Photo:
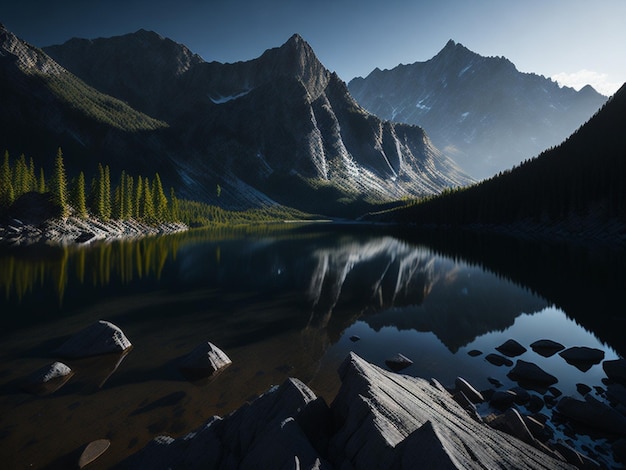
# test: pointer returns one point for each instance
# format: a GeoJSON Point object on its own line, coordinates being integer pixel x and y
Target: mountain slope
{"type": "Point", "coordinates": [44, 106]}
{"type": "Point", "coordinates": [480, 110]}
{"type": "Point", "coordinates": [277, 128]}
{"type": "Point", "coordinates": [577, 188]}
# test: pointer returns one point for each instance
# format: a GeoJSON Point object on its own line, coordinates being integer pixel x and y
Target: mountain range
{"type": "Point", "coordinates": [481, 111]}
{"type": "Point", "coordinates": [279, 129]}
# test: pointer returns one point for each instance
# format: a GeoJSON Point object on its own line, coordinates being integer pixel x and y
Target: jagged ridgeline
{"type": "Point", "coordinates": [277, 130]}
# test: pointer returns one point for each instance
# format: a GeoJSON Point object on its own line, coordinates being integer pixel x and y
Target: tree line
{"type": "Point", "coordinates": [139, 198]}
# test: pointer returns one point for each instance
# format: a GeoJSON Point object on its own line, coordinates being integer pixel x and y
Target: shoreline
{"type": "Point", "coordinates": [76, 231]}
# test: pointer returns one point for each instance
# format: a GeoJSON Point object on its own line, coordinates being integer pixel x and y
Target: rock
{"type": "Point", "coordinates": [518, 427]}
{"type": "Point", "coordinates": [593, 413]}
{"type": "Point", "coordinates": [537, 428]}
{"type": "Point", "coordinates": [277, 430]}
{"type": "Point", "coordinates": [574, 457]}
{"type": "Point", "coordinates": [615, 370]}
{"type": "Point", "coordinates": [502, 399]}
{"type": "Point", "coordinates": [556, 393]}
{"type": "Point", "coordinates": [48, 379]}
{"type": "Point", "coordinates": [495, 382]}
{"type": "Point", "coordinates": [470, 392]}
{"type": "Point", "coordinates": [93, 450]}
{"type": "Point", "coordinates": [530, 375]}
{"type": "Point", "coordinates": [535, 404]}
{"type": "Point", "coordinates": [204, 361]}
{"type": "Point", "coordinates": [619, 450]}
{"type": "Point", "coordinates": [102, 337]}
{"type": "Point", "coordinates": [582, 358]}
{"type": "Point", "coordinates": [498, 360]}
{"type": "Point", "coordinates": [546, 347]}
{"type": "Point", "coordinates": [474, 353]}
{"type": "Point", "coordinates": [616, 394]}
{"type": "Point", "coordinates": [511, 348]}
{"type": "Point", "coordinates": [385, 420]}
{"type": "Point", "coordinates": [398, 362]}
{"type": "Point", "coordinates": [355, 338]}
{"type": "Point", "coordinates": [521, 395]}
{"type": "Point", "coordinates": [583, 389]}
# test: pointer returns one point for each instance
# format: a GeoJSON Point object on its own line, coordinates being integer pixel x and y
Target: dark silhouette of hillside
{"type": "Point", "coordinates": [579, 185]}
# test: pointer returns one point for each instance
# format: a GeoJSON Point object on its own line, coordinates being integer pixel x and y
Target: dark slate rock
{"type": "Point", "coordinates": [521, 395]}
{"type": "Point", "coordinates": [511, 348]}
{"type": "Point", "coordinates": [546, 347]}
{"type": "Point", "coordinates": [583, 389]}
{"type": "Point", "coordinates": [102, 337]}
{"type": "Point", "coordinates": [495, 382]}
{"type": "Point", "coordinates": [355, 338]}
{"type": "Point", "coordinates": [385, 420]}
{"type": "Point", "coordinates": [498, 360]}
{"type": "Point", "coordinates": [555, 392]}
{"type": "Point", "coordinates": [528, 374]}
{"type": "Point", "coordinates": [594, 413]}
{"type": "Point", "coordinates": [470, 392]}
{"type": "Point", "coordinates": [474, 352]}
{"type": "Point", "coordinates": [535, 404]}
{"type": "Point", "coordinates": [619, 450]}
{"type": "Point", "coordinates": [582, 358]}
{"type": "Point", "coordinates": [398, 362]}
{"type": "Point", "coordinates": [48, 379]}
{"type": "Point", "coordinates": [517, 426]}
{"type": "Point", "coordinates": [502, 399]}
{"type": "Point", "coordinates": [615, 370]}
{"type": "Point", "coordinates": [204, 361]}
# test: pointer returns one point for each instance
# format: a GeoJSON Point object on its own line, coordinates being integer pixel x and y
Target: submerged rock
{"type": "Point", "coordinates": [398, 362]}
{"type": "Point", "coordinates": [583, 358]}
{"type": "Point", "coordinates": [204, 361]}
{"type": "Point", "coordinates": [498, 360]}
{"type": "Point", "coordinates": [102, 337]}
{"type": "Point", "coordinates": [529, 375]}
{"type": "Point", "coordinates": [546, 347]}
{"type": "Point", "coordinates": [48, 379]}
{"type": "Point", "coordinates": [511, 348]}
{"type": "Point", "coordinates": [594, 413]}
{"type": "Point", "coordinates": [615, 370]}
{"type": "Point", "coordinates": [92, 451]}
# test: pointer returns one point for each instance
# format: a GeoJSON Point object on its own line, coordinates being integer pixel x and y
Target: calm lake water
{"type": "Point", "coordinates": [281, 303]}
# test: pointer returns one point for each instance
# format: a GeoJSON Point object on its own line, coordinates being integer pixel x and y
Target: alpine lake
{"type": "Point", "coordinates": [289, 301]}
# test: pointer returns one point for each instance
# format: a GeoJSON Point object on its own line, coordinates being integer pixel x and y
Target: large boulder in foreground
{"type": "Point", "coordinates": [102, 337]}
{"type": "Point", "coordinates": [379, 419]}
{"type": "Point", "coordinates": [387, 420]}
{"type": "Point", "coordinates": [594, 413]}
{"type": "Point", "coordinates": [287, 427]}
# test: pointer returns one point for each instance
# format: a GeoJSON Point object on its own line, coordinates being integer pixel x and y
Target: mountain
{"type": "Point", "coordinates": [481, 111]}
{"type": "Point", "coordinates": [279, 128]}
{"type": "Point", "coordinates": [574, 190]}
{"type": "Point", "coordinates": [44, 106]}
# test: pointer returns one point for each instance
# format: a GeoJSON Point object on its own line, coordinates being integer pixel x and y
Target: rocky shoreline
{"type": "Point", "coordinates": [379, 418]}
{"type": "Point", "coordinates": [77, 231]}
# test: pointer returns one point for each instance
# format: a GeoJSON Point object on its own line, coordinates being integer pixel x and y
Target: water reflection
{"type": "Point", "coordinates": [283, 303]}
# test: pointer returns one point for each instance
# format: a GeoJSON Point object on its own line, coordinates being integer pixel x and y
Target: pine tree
{"type": "Point", "coordinates": [107, 193]}
{"type": "Point", "coordinates": [158, 198]}
{"type": "Point", "coordinates": [59, 184]}
{"type": "Point", "coordinates": [41, 183]}
{"type": "Point", "coordinates": [130, 203]}
{"type": "Point", "coordinates": [7, 195]}
{"type": "Point", "coordinates": [174, 209]}
{"type": "Point", "coordinates": [147, 206]}
{"type": "Point", "coordinates": [20, 176]}
{"type": "Point", "coordinates": [138, 198]}
{"type": "Point", "coordinates": [32, 179]}
{"type": "Point", "coordinates": [78, 197]}
{"type": "Point", "coordinates": [100, 196]}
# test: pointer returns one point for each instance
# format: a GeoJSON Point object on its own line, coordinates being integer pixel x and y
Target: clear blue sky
{"type": "Point", "coordinates": [583, 41]}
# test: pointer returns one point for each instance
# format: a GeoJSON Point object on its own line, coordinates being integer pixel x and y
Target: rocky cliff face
{"type": "Point", "coordinates": [480, 110]}
{"type": "Point", "coordinates": [277, 128]}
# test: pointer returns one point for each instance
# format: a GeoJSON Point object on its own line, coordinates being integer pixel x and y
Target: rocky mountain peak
{"type": "Point", "coordinates": [27, 57]}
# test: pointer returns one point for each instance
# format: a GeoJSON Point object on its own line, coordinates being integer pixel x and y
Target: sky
{"type": "Point", "coordinates": [575, 42]}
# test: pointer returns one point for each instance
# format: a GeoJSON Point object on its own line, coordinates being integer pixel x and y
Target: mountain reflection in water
{"type": "Point", "coordinates": [280, 303]}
